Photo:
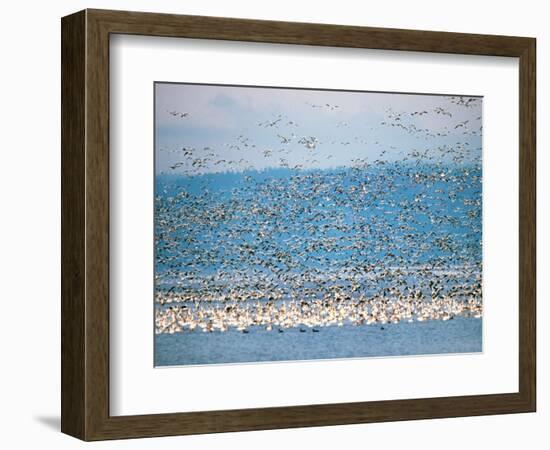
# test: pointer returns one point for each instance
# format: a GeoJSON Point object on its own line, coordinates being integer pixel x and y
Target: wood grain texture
{"type": "Point", "coordinates": [267, 31]}
{"type": "Point", "coordinates": [527, 224]}
{"type": "Point", "coordinates": [73, 227]}
{"type": "Point", "coordinates": [85, 224]}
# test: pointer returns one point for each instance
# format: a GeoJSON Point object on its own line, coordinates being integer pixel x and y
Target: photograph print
{"type": "Point", "coordinates": [302, 224]}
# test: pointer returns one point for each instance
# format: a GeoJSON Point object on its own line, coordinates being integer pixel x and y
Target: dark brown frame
{"type": "Point", "coordinates": [85, 224]}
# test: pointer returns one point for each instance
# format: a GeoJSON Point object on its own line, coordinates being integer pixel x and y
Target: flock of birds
{"type": "Point", "coordinates": [312, 314]}
{"type": "Point", "coordinates": [378, 240]}
{"type": "Point", "coordinates": [193, 160]}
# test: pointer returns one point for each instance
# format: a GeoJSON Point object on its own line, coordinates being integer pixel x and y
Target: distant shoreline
{"type": "Point", "coordinates": [278, 171]}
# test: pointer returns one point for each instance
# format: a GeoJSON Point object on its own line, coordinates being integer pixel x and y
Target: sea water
{"type": "Point", "coordinates": [232, 238]}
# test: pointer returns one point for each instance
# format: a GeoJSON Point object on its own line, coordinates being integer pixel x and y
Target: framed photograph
{"type": "Point", "coordinates": [273, 225]}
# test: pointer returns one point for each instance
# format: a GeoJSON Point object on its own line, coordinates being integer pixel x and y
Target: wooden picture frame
{"type": "Point", "coordinates": [85, 224]}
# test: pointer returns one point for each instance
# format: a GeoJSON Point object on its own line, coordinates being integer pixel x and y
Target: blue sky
{"type": "Point", "coordinates": [205, 128]}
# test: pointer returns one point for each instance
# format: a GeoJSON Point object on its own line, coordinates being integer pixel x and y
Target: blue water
{"type": "Point", "coordinates": [304, 234]}
{"type": "Point", "coordinates": [382, 217]}
{"type": "Point", "coordinates": [419, 338]}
